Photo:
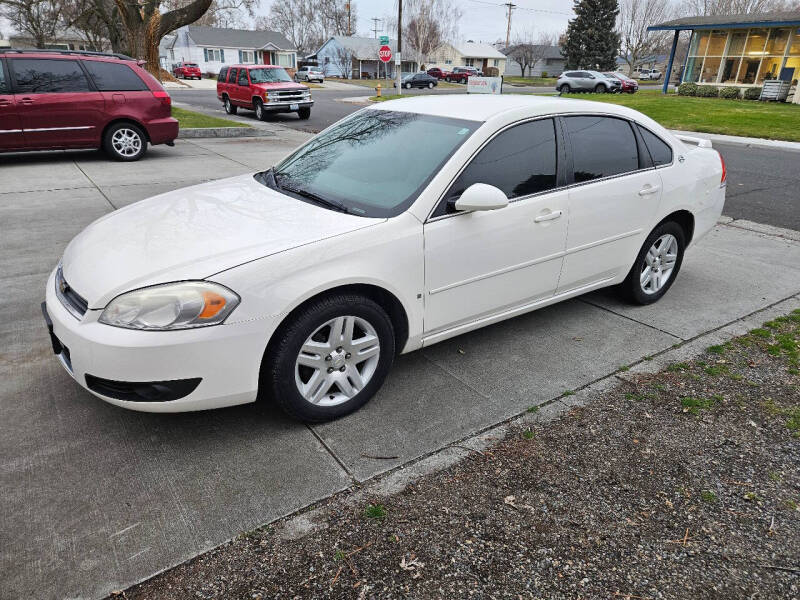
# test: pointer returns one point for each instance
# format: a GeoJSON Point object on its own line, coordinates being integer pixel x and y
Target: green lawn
{"type": "Point", "coordinates": [750, 118]}
{"type": "Point", "coordinates": [389, 83]}
{"type": "Point", "coordinates": [189, 119]}
{"type": "Point", "coordinates": [537, 81]}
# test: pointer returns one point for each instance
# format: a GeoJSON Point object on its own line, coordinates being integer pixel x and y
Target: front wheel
{"type": "Point", "coordinates": [229, 107]}
{"type": "Point", "coordinates": [408, 86]}
{"type": "Point", "coordinates": [261, 114]}
{"type": "Point", "coordinates": [657, 264]}
{"type": "Point", "coordinates": [125, 142]}
{"type": "Point", "coordinates": [599, 88]}
{"type": "Point", "coordinates": [304, 112]}
{"type": "Point", "coordinates": [430, 85]}
{"type": "Point", "coordinates": [330, 359]}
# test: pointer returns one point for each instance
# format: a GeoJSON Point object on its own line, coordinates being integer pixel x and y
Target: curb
{"type": "Point", "coordinates": [222, 132]}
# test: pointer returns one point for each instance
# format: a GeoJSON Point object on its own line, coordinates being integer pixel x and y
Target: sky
{"type": "Point", "coordinates": [483, 20]}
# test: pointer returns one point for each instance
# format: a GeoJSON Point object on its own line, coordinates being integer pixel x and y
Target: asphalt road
{"type": "Point", "coordinates": [763, 184]}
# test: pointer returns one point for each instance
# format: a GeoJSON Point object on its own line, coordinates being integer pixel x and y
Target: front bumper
{"type": "Point", "coordinates": [281, 106]}
{"type": "Point", "coordinates": [226, 359]}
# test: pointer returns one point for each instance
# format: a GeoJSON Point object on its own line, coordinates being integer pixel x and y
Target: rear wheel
{"type": "Point", "coordinates": [447, 79]}
{"type": "Point", "coordinates": [330, 359]}
{"type": "Point", "coordinates": [125, 142]}
{"type": "Point", "coordinates": [229, 106]}
{"type": "Point", "coordinates": [564, 89]}
{"type": "Point", "coordinates": [657, 264]}
{"type": "Point", "coordinates": [304, 112]}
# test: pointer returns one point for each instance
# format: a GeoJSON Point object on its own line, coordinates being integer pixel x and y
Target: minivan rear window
{"type": "Point", "coordinates": [114, 77]}
{"type": "Point", "coordinates": [41, 76]}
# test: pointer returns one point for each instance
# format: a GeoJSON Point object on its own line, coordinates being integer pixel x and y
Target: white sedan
{"type": "Point", "coordinates": [398, 227]}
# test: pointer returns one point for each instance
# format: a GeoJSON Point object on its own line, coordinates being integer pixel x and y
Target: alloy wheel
{"type": "Point", "coordinates": [126, 142]}
{"type": "Point", "coordinates": [659, 262]}
{"type": "Point", "coordinates": [337, 361]}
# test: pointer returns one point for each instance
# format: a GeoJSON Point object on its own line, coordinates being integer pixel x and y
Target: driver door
{"type": "Point", "coordinates": [483, 262]}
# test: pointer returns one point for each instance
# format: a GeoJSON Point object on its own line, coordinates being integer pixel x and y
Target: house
{"type": "Point", "coordinates": [469, 53]}
{"type": "Point", "coordinates": [357, 57]}
{"type": "Point", "coordinates": [652, 61]}
{"type": "Point", "coordinates": [213, 47]}
{"type": "Point", "coordinates": [738, 50]}
{"type": "Point", "coordinates": [66, 39]}
{"type": "Point", "coordinates": [552, 62]}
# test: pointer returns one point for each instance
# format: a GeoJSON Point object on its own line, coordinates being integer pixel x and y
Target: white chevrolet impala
{"type": "Point", "coordinates": [398, 227]}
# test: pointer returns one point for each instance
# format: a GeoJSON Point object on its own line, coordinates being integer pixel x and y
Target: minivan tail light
{"type": "Point", "coordinates": [164, 97]}
{"type": "Point", "coordinates": [724, 170]}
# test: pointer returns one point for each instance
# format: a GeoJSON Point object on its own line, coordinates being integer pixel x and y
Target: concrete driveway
{"type": "Point", "coordinates": [95, 498]}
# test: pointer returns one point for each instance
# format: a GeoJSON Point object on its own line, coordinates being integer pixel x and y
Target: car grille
{"type": "Point", "coordinates": [291, 95]}
{"type": "Point", "coordinates": [72, 301]}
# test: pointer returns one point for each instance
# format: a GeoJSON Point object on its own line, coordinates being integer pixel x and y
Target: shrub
{"type": "Point", "coordinates": [752, 93]}
{"type": "Point", "coordinates": [544, 73]}
{"type": "Point", "coordinates": [730, 93]}
{"type": "Point", "coordinates": [687, 89]}
{"type": "Point", "coordinates": [707, 91]}
{"type": "Point", "coordinates": [491, 72]}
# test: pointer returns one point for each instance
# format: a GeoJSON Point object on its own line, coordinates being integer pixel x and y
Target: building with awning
{"type": "Point", "coordinates": [738, 50]}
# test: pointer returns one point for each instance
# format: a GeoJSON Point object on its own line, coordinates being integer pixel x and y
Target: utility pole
{"type": "Point", "coordinates": [347, 6]}
{"type": "Point", "coordinates": [511, 6]}
{"type": "Point", "coordinates": [375, 26]}
{"type": "Point", "coordinates": [398, 62]}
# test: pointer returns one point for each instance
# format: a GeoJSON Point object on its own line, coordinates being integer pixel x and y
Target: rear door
{"type": "Point", "coordinates": [10, 129]}
{"type": "Point", "coordinates": [58, 106]}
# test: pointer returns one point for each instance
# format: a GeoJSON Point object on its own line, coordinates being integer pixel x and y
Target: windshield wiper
{"type": "Point", "coordinates": [309, 195]}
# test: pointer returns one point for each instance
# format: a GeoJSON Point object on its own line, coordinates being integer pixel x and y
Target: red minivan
{"type": "Point", "coordinates": [60, 99]}
{"type": "Point", "coordinates": [264, 89]}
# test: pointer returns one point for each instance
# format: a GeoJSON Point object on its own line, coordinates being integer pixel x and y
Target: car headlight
{"type": "Point", "coordinates": [183, 305]}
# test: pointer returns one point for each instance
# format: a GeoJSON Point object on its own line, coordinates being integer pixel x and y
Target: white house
{"type": "Point", "coordinates": [469, 54]}
{"type": "Point", "coordinates": [213, 47]}
{"type": "Point", "coordinates": [333, 57]}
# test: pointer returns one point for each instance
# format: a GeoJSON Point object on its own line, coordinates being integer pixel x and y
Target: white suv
{"type": "Point", "coordinates": [309, 74]}
{"type": "Point", "coordinates": [653, 74]}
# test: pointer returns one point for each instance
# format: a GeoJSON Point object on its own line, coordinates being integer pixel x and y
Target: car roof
{"type": "Point", "coordinates": [253, 66]}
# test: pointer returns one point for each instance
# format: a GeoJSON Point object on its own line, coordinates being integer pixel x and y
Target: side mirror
{"type": "Point", "coordinates": [481, 196]}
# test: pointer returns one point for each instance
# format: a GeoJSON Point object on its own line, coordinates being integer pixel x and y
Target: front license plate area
{"type": "Point", "coordinates": [294, 106]}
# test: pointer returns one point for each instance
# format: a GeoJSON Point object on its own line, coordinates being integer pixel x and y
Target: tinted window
{"type": "Point", "coordinates": [3, 84]}
{"type": "Point", "coordinates": [520, 161]}
{"type": "Point", "coordinates": [243, 77]}
{"type": "Point", "coordinates": [223, 73]}
{"type": "Point", "coordinates": [601, 146]}
{"type": "Point", "coordinates": [659, 150]}
{"type": "Point", "coordinates": [112, 77]}
{"type": "Point", "coordinates": [232, 76]}
{"type": "Point", "coordinates": [36, 76]}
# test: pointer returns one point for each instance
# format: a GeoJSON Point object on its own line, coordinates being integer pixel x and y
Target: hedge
{"type": "Point", "coordinates": [752, 93]}
{"type": "Point", "coordinates": [707, 91]}
{"type": "Point", "coordinates": [729, 92]}
{"type": "Point", "coordinates": [687, 89]}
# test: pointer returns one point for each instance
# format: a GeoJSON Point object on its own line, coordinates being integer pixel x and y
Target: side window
{"type": "Point", "coordinates": [4, 87]}
{"type": "Point", "coordinates": [223, 73]}
{"type": "Point", "coordinates": [660, 151]}
{"type": "Point", "coordinates": [601, 146]}
{"type": "Point", "coordinates": [112, 77]}
{"type": "Point", "coordinates": [41, 76]}
{"type": "Point", "coordinates": [520, 161]}
{"type": "Point", "coordinates": [243, 77]}
{"type": "Point", "coordinates": [232, 76]}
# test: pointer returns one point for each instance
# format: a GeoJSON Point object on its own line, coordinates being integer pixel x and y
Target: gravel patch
{"type": "Point", "coordinates": [679, 484]}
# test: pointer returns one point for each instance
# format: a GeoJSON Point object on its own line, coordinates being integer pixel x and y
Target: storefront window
{"type": "Point", "coordinates": [794, 49]}
{"type": "Point", "coordinates": [716, 44]}
{"type": "Point", "coordinates": [710, 70]}
{"type": "Point", "coordinates": [756, 42]}
{"type": "Point", "coordinates": [769, 68]}
{"type": "Point", "coordinates": [776, 44]}
{"type": "Point", "coordinates": [692, 69]}
{"type": "Point", "coordinates": [736, 47]}
{"type": "Point", "coordinates": [699, 43]}
{"type": "Point", "coordinates": [748, 70]}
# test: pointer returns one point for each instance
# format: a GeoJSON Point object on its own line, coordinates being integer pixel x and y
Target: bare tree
{"type": "Point", "coordinates": [635, 16]}
{"type": "Point", "coordinates": [530, 47]}
{"type": "Point", "coordinates": [40, 19]}
{"type": "Point", "coordinates": [427, 24]}
{"type": "Point", "coordinates": [295, 20]}
{"type": "Point", "coordinates": [343, 60]}
{"type": "Point", "coordinates": [98, 23]}
{"type": "Point", "coordinates": [734, 7]}
{"type": "Point", "coordinates": [222, 13]}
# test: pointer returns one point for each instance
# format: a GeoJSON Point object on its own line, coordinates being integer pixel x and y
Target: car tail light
{"type": "Point", "coordinates": [724, 170]}
{"type": "Point", "coordinates": [164, 97]}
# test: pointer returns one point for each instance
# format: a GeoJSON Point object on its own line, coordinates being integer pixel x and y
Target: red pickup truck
{"type": "Point", "coordinates": [461, 74]}
{"type": "Point", "coordinates": [186, 70]}
{"type": "Point", "coordinates": [438, 73]}
{"type": "Point", "coordinates": [264, 89]}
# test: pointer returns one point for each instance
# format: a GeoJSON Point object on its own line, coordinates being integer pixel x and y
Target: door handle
{"type": "Point", "coordinates": [649, 189]}
{"type": "Point", "coordinates": [27, 100]}
{"type": "Point", "coordinates": [5, 103]}
{"type": "Point", "coordinates": [549, 216]}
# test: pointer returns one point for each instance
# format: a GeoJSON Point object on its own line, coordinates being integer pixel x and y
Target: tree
{"type": "Point", "coordinates": [734, 7]}
{"type": "Point", "coordinates": [343, 60]}
{"type": "Point", "coordinates": [145, 25]}
{"type": "Point", "coordinates": [222, 13]}
{"type": "Point", "coordinates": [427, 24]}
{"type": "Point", "coordinates": [529, 48]}
{"type": "Point", "coordinates": [591, 41]}
{"type": "Point", "coordinates": [635, 16]}
{"type": "Point", "coordinates": [39, 19]}
{"type": "Point", "coordinates": [98, 23]}
{"type": "Point", "coordinates": [295, 20]}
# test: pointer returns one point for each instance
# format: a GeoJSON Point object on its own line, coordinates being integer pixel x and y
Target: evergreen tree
{"type": "Point", "coordinates": [591, 41]}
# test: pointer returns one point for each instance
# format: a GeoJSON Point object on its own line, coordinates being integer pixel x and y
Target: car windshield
{"type": "Point", "coordinates": [190, 65]}
{"type": "Point", "coordinates": [271, 75]}
{"type": "Point", "coordinates": [373, 163]}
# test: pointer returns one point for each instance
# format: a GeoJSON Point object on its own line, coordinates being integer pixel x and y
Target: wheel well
{"type": "Point", "coordinates": [384, 298]}
{"type": "Point", "coordinates": [131, 121]}
{"type": "Point", "coordinates": [683, 218]}
{"type": "Point", "coordinates": [255, 99]}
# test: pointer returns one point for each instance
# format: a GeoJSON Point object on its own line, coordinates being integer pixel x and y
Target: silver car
{"type": "Point", "coordinates": [587, 81]}
{"type": "Point", "coordinates": [309, 74]}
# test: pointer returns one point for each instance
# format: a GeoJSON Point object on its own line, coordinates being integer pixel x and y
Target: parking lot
{"type": "Point", "coordinates": [97, 498]}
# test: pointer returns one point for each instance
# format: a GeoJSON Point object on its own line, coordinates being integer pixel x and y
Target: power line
{"type": "Point", "coordinates": [375, 26]}
{"type": "Point", "coordinates": [511, 7]}
{"type": "Point", "coordinates": [517, 6]}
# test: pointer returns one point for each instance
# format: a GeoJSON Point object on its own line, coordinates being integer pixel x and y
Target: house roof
{"type": "Point", "coordinates": [363, 48]}
{"type": "Point", "coordinates": [476, 50]}
{"type": "Point", "coordinates": [549, 51]}
{"type": "Point", "coordinates": [775, 19]}
{"type": "Point", "coordinates": [237, 38]}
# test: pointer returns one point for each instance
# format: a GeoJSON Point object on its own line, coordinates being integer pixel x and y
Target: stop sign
{"type": "Point", "coordinates": [385, 54]}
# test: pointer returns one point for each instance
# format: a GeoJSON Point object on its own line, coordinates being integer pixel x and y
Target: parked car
{"type": "Point", "coordinates": [461, 74]}
{"type": "Point", "coordinates": [650, 74]}
{"type": "Point", "coordinates": [60, 99]}
{"type": "Point", "coordinates": [438, 73]}
{"type": "Point", "coordinates": [187, 70]}
{"type": "Point", "coordinates": [629, 86]}
{"type": "Point", "coordinates": [420, 80]}
{"type": "Point", "coordinates": [300, 284]}
{"type": "Point", "coordinates": [264, 89]}
{"type": "Point", "coordinates": [587, 81]}
{"type": "Point", "coordinates": [309, 74]}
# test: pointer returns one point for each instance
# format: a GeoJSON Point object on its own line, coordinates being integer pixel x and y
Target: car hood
{"type": "Point", "coordinates": [193, 233]}
{"type": "Point", "coordinates": [279, 85]}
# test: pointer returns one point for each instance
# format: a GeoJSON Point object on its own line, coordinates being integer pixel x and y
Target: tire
{"type": "Point", "coordinates": [447, 79]}
{"type": "Point", "coordinates": [125, 142]}
{"type": "Point", "coordinates": [564, 89]}
{"type": "Point", "coordinates": [430, 85]}
{"type": "Point", "coordinates": [600, 89]}
{"type": "Point", "coordinates": [408, 86]}
{"type": "Point", "coordinates": [230, 108]}
{"type": "Point", "coordinates": [258, 107]}
{"type": "Point", "coordinates": [633, 288]}
{"type": "Point", "coordinates": [304, 112]}
{"type": "Point", "coordinates": [282, 375]}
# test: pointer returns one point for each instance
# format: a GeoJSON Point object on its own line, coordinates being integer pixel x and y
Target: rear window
{"type": "Point", "coordinates": [193, 65]}
{"type": "Point", "coordinates": [232, 76]}
{"type": "Point", "coordinates": [113, 77]}
{"type": "Point", "coordinates": [660, 151]}
{"type": "Point", "coordinates": [601, 147]}
{"type": "Point", "coordinates": [42, 76]}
